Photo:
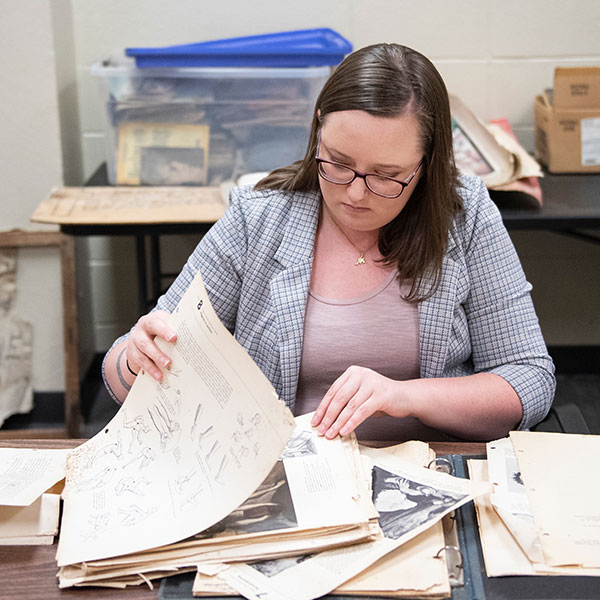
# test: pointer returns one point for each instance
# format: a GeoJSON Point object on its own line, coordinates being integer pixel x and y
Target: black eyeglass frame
{"type": "Point", "coordinates": [364, 176]}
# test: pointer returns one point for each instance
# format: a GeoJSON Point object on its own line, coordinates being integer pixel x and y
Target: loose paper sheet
{"type": "Point", "coordinates": [26, 473]}
{"type": "Point", "coordinates": [510, 498]}
{"type": "Point", "coordinates": [180, 455]}
{"type": "Point", "coordinates": [560, 474]}
{"type": "Point", "coordinates": [33, 524]}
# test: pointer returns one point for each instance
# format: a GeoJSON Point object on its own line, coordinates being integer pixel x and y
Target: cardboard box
{"type": "Point", "coordinates": [567, 121]}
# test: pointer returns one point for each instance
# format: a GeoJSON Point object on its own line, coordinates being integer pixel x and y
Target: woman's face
{"type": "Point", "coordinates": [388, 146]}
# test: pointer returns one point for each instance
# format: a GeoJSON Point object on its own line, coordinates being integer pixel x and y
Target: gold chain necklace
{"type": "Point", "coordinates": [361, 260]}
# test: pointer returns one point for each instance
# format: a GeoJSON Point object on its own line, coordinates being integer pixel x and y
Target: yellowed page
{"type": "Point", "coordinates": [409, 570]}
{"type": "Point", "coordinates": [502, 553]}
{"type": "Point", "coordinates": [180, 455]}
{"type": "Point", "coordinates": [560, 474]}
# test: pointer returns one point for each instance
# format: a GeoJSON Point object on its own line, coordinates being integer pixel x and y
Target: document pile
{"type": "Point", "coordinates": [209, 471]}
{"type": "Point", "coordinates": [30, 484]}
{"type": "Point", "coordinates": [189, 455]}
{"type": "Point", "coordinates": [543, 517]}
{"type": "Point", "coordinates": [406, 561]}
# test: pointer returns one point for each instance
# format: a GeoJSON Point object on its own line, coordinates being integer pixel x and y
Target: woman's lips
{"type": "Point", "coordinates": [355, 209]}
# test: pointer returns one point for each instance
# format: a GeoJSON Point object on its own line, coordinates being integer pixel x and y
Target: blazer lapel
{"type": "Point", "coordinates": [289, 290]}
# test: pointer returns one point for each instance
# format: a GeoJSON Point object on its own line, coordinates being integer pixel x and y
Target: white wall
{"type": "Point", "coordinates": [495, 54]}
{"type": "Point", "coordinates": [30, 164]}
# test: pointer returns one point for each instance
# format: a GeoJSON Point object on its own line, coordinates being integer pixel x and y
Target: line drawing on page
{"type": "Point", "coordinates": [133, 514]}
{"type": "Point", "coordinates": [133, 485]}
{"type": "Point", "coordinates": [145, 457]}
{"type": "Point", "coordinates": [114, 448]}
{"type": "Point", "coordinates": [138, 428]}
{"type": "Point", "coordinates": [98, 480]}
{"type": "Point", "coordinates": [168, 429]}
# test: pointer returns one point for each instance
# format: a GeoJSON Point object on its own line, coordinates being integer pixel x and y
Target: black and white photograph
{"type": "Point", "coordinates": [269, 508]}
{"type": "Point", "coordinates": [270, 568]}
{"type": "Point", "coordinates": [403, 504]}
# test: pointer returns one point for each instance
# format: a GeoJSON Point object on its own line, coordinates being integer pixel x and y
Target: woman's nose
{"type": "Point", "coordinates": [357, 189]}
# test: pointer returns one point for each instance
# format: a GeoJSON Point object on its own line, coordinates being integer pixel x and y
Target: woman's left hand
{"type": "Point", "coordinates": [356, 395]}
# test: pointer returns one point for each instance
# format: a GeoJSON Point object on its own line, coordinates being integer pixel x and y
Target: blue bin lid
{"type": "Point", "coordinates": [300, 48]}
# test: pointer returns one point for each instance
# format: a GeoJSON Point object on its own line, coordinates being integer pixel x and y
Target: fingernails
{"type": "Point", "coordinates": [166, 362]}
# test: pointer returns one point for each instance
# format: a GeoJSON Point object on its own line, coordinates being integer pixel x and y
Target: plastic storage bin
{"type": "Point", "coordinates": [202, 125]}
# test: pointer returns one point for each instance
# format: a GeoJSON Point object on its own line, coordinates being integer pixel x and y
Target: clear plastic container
{"type": "Point", "coordinates": [203, 126]}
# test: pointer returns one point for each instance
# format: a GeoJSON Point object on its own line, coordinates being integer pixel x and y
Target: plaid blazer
{"type": "Point", "coordinates": [256, 265]}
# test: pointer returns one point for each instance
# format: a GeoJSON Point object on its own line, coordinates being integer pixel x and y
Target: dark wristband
{"type": "Point", "coordinates": [130, 369]}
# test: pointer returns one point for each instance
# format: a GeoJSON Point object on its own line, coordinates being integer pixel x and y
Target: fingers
{"type": "Point", "coordinates": [351, 399]}
{"type": "Point", "coordinates": [142, 350]}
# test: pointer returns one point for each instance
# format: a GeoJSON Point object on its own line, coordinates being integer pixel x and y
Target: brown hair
{"type": "Point", "coordinates": [388, 80]}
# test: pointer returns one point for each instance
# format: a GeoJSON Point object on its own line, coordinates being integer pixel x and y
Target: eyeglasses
{"type": "Point", "coordinates": [387, 187]}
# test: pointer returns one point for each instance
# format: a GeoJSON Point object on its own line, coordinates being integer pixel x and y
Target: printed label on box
{"type": "Point", "coordinates": [590, 142]}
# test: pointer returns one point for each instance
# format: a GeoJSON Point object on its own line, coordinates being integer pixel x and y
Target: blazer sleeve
{"type": "Point", "coordinates": [505, 333]}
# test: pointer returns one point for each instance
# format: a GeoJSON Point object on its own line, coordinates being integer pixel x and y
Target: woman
{"type": "Point", "coordinates": [368, 279]}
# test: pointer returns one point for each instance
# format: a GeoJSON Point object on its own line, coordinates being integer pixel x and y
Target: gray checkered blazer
{"type": "Point", "coordinates": [256, 265]}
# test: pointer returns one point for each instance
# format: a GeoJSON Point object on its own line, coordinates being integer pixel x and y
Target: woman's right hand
{"type": "Point", "coordinates": [142, 350]}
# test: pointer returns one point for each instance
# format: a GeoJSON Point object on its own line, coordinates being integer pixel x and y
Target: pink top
{"type": "Point", "coordinates": [379, 330]}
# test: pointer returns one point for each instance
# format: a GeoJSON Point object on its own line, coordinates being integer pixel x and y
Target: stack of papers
{"type": "Point", "coordinates": [543, 517]}
{"type": "Point", "coordinates": [408, 560]}
{"type": "Point", "coordinates": [29, 496]}
{"type": "Point", "coordinates": [209, 471]}
{"type": "Point", "coordinates": [208, 465]}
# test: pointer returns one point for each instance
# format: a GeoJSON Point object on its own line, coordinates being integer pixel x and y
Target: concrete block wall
{"type": "Point", "coordinates": [495, 54]}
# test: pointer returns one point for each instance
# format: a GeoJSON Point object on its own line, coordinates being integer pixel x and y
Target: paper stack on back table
{"type": "Point", "coordinates": [183, 456]}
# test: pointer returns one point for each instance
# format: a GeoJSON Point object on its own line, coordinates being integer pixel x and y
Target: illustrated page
{"type": "Point", "coordinates": [179, 455]}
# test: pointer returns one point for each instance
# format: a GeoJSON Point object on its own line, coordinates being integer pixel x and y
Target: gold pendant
{"type": "Point", "coordinates": [360, 260]}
